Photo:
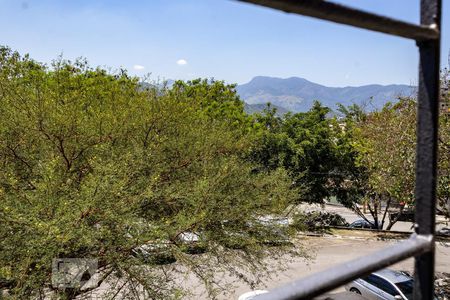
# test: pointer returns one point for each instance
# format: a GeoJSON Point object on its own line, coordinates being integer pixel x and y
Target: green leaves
{"type": "Point", "coordinates": [388, 151]}
{"type": "Point", "coordinates": [310, 146]}
{"type": "Point", "coordinates": [93, 165]}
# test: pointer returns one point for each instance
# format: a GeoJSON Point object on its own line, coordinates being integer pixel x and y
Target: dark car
{"type": "Point", "coordinates": [361, 223]}
{"type": "Point", "coordinates": [444, 231]}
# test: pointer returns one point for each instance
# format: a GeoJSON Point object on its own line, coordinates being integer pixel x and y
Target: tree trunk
{"type": "Point", "coordinates": [392, 222]}
{"type": "Point", "coordinates": [388, 204]}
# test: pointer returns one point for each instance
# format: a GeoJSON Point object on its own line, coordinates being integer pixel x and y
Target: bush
{"type": "Point", "coordinates": [317, 221]}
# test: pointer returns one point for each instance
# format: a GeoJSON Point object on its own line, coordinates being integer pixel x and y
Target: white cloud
{"type": "Point", "coordinates": [138, 67]}
{"type": "Point", "coordinates": [181, 62]}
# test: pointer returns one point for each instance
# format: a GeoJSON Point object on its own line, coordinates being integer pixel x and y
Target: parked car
{"type": "Point", "coordinates": [274, 229]}
{"type": "Point", "coordinates": [191, 242]}
{"type": "Point", "coordinates": [269, 230]}
{"type": "Point", "coordinates": [361, 223]}
{"type": "Point", "coordinates": [154, 253]}
{"type": "Point", "coordinates": [384, 284]}
{"type": "Point", "coordinates": [444, 231]}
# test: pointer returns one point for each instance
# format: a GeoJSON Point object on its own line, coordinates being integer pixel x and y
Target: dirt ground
{"type": "Point", "coordinates": [326, 252]}
{"type": "Point", "coordinates": [333, 250]}
{"type": "Point", "coordinates": [344, 246]}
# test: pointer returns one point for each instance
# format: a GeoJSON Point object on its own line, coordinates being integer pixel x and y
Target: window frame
{"type": "Point", "coordinates": [421, 244]}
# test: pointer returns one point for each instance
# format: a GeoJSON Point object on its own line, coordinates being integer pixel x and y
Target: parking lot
{"type": "Point", "coordinates": [331, 250]}
{"type": "Point", "coordinates": [325, 251]}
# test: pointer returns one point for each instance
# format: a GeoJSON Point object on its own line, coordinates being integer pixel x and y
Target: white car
{"type": "Point", "coordinates": [192, 242]}
{"type": "Point", "coordinates": [157, 253]}
{"type": "Point", "coordinates": [384, 284]}
{"type": "Point", "coordinates": [276, 229]}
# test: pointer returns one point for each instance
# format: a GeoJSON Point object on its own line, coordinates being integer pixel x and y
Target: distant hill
{"type": "Point", "coordinates": [297, 94]}
{"type": "Point", "coordinates": [253, 108]}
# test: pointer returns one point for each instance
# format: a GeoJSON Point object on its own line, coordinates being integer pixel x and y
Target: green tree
{"type": "Point", "coordinates": [217, 101]}
{"type": "Point", "coordinates": [443, 192]}
{"type": "Point", "coordinates": [354, 184]}
{"type": "Point", "coordinates": [92, 165]}
{"type": "Point", "coordinates": [312, 147]}
{"type": "Point", "coordinates": [386, 145]}
{"type": "Point", "coordinates": [386, 141]}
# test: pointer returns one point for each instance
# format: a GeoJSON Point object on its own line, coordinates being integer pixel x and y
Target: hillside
{"type": "Point", "coordinates": [297, 94]}
{"type": "Point", "coordinates": [253, 108]}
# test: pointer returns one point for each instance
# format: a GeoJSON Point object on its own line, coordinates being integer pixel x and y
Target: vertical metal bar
{"type": "Point", "coordinates": [426, 160]}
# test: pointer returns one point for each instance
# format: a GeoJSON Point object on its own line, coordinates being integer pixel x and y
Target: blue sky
{"type": "Point", "coordinates": [224, 39]}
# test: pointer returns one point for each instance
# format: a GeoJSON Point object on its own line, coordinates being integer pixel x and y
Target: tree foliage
{"type": "Point", "coordinates": [443, 192]}
{"type": "Point", "coordinates": [386, 146]}
{"type": "Point", "coordinates": [386, 142]}
{"type": "Point", "coordinates": [92, 165]}
{"type": "Point", "coordinates": [313, 148]}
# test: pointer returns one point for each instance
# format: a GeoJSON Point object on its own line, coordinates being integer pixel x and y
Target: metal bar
{"type": "Point", "coordinates": [345, 15]}
{"type": "Point", "coordinates": [427, 134]}
{"type": "Point", "coordinates": [325, 281]}
{"type": "Point", "coordinates": [427, 34]}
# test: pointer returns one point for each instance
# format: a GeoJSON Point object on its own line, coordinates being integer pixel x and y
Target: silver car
{"type": "Point", "coordinates": [384, 284]}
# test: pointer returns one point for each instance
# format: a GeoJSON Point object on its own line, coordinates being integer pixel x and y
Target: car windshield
{"type": "Point", "coordinates": [407, 288]}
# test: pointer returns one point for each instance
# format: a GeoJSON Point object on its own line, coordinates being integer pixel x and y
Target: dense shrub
{"type": "Point", "coordinates": [317, 221]}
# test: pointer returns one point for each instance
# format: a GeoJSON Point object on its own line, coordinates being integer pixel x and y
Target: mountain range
{"type": "Point", "coordinates": [298, 94]}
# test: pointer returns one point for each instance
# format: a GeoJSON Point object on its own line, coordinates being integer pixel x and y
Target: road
{"type": "Point", "coordinates": [329, 251]}
{"type": "Point", "coordinates": [350, 216]}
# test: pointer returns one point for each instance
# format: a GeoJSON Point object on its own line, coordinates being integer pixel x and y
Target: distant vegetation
{"type": "Point", "coordinates": [95, 164]}
{"type": "Point", "coordinates": [298, 94]}
{"type": "Point", "coordinates": [259, 108]}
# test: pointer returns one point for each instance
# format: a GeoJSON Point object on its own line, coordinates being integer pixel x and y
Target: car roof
{"type": "Point", "coordinates": [360, 221]}
{"type": "Point", "coordinates": [393, 276]}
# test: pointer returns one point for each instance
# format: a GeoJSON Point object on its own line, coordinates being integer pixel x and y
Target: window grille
{"type": "Point", "coordinates": [421, 244]}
